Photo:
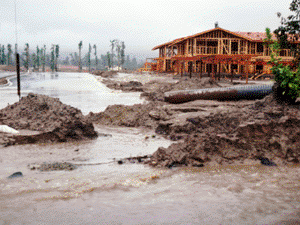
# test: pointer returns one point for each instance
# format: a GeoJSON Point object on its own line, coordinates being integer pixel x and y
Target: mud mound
{"type": "Point", "coordinates": [3, 81]}
{"type": "Point", "coordinates": [194, 83]}
{"type": "Point", "coordinates": [57, 121]}
{"type": "Point", "coordinates": [263, 129]}
{"type": "Point", "coordinates": [131, 86]}
{"type": "Point", "coordinates": [154, 90]}
{"type": "Point", "coordinates": [138, 115]}
{"type": "Point", "coordinates": [105, 74]}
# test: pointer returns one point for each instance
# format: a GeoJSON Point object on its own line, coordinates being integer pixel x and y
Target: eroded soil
{"type": "Point", "coordinates": [212, 132]}
{"type": "Point", "coordinates": [55, 121]}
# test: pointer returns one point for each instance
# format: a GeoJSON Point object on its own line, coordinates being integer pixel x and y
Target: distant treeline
{"type": "Point", "coordinates": [39, 58]}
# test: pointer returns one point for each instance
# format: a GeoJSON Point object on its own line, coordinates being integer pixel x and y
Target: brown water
{"type": "Point", "coordinates": [135, 194]}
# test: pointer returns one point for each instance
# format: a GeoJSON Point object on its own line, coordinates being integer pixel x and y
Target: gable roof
{"type": "Point", "coordinates": [250, 36]}
{"type": "Point", "coordinates": [255, 36]}
{"type": "Point", "coordinates": [207, 31]}
{"type": "Point", "coordinates": [167, 43]}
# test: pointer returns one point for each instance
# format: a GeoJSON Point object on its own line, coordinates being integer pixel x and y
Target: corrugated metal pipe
{"type": "Point", "coordinates": [249, 92]}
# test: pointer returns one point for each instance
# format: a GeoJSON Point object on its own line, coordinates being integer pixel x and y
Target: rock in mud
{"type": "Point", "coordinates": [56, 121]}
{"type": "Point", "coordinates": [15, 175]}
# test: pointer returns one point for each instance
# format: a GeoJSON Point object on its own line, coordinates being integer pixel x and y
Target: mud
{"type": "Point", "coordinates": [3, 81]}
{"type": "Point", "coordinates": [138, 115]}
{"type": "Point", "coordinates": [55, 121]}
{"type": "Point", "coordinates": [131, 86]}
{"type": "Point", "coordinates": [212, 132]}
{"type": "Point", "coordinates": [105, 74]}
{"type": "Point", "coordinates": [245, 135]}
{"type": "Point", "coordinates": [53, 166]}
{"type": "Point", "coordinates": [154, 90]}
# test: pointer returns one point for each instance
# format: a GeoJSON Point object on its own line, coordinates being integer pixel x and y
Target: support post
{"type": "Point", "coordinates": [18, 74]}
{"type": "Point", "coordinates": [181, 66]}
{"type": "Point", "coordinates": [219, 77]}
{"type": "Point", "coordinates": [247, 72]}
{"type": "Point", "coordinates": [231, 73]}
{"type": "Point", "coordinates": [200, 75]}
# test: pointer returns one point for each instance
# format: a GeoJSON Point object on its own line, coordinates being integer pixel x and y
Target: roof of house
{"type": "Point", "coordinates": [250, 36]}
{"type": "Point", "coordinates": [167, 43]}
{"type": "Point", "coordinates": [255, 36]}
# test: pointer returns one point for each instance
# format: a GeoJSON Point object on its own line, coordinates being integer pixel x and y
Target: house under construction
{"type": "Point", "coordinates": [217, 51]}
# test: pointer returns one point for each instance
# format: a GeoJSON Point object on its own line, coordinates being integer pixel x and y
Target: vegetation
{"type": "Point", "coordinates": [52, 58]}
{"type": "Point", "coordinates": [287, 87]}
{"type": "Point", "coordinates": [89, 57]}
{"type": "Point", "coordinates": [39, 59]}
{"type": "Point", "coordinates": [112, 44]}
{"type": "Point", "coordinates": [80, 46]}
{"type": "Point", "coordinates": [96, 58]}
{"type": "Point", "coordinates": [26, 63]}
{"type": "Point", "coordinates": [9, 53]}
{"type": "Point", "coordinates": [56, 56]}
{"type": "Point", "coordinates": [289, 31]}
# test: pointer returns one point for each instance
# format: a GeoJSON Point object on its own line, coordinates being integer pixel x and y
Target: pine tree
{"type": "Point", "coordinates": [96, 58]}
{"type": "Point", "coordinates": [43, 57]}
{"type": "Point", "coordinates": [38, 58]}
{"type": "Point", "coordinates": [52, 61]}
{"type": "Point", "coordinates": [56, 57]}
{"type": "Point", "coordinates": [9, 53]}
{"type": "Point", "coordinates": [80, 46]}
{"type": "Point", "coordinates": [26, 63]}
{"type": "Point", "coordinates": [109, 62]}
{"type": "Point", "coordinates": [122, 54]}
{"type": "Point", "coordinates": [89, 57]}
{"type": "Point", "coordinates": [112, 44]}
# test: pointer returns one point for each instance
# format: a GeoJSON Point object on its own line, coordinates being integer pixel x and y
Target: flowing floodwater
{"type": "Point", "coordinates": [109, 193]}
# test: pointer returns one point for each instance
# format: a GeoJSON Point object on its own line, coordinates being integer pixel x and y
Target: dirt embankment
{"type": "Point", "coordinates": [3, 81]}
{"type": "Point", "coordinates": [105, 74]}
{"type": "Point", "coordinates": [55, 121]}
{"type": "Point", "coordinates": [263, 129]}
{"type": "Point", "coordinates": [131, 86]}
{"type": "Point", "coordinates": [151, 114]}
{"type": "Point", "coordinates": [212, 132]}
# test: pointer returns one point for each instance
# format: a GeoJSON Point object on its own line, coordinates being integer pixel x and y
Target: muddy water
{"type": "Point", "coordinates": [80, 90]}
{"type": "Point", "coordinates": [109, 193]}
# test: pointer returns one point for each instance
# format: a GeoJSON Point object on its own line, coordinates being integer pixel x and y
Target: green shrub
{"type": "Point", "coordinates": [287, 87]}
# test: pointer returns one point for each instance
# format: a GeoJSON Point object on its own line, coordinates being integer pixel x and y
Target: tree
{"type": "Point", "coordinates": [26, 63]}
{"type": "Point", "coordinates": [56, 56]}
{"type": "Point", "coordinates": [3, 56]}
{"type": "Point", "coordinates": [287, 86]}
{"type": "Point", "coordinates": [96, 59]}
{"type": "Point", "coordinates": [80, 46]}
{"type": "Point", "coordinates": [9, 53]}
{"type": "Point", "coordinates": [109, 62]}
{"type": "Point", "coordinates": [38, 58]}
{"type": "Point", "coordinates": [289, 31]}
{"type": "Point", "coordinates": [122, 53]}
{"type": "Point", "coordinates": [89, 57]}
{"type": "Point", "coordinates": [43, 53]}
{"type": "Point", "coordinates": [34, 61]}
{"type": "Point", "coordinates": [52, 60]}
{"type": "Point", "coordinates": [112, 44]}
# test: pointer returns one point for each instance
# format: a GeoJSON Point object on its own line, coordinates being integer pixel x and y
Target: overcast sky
{"type": "Point", "coordinates": [140, 24]}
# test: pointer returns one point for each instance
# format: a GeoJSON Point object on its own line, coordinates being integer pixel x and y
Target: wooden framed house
{"type": "Point", "coordinates": [218, 51]}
